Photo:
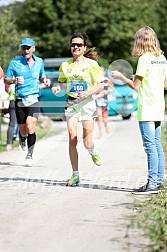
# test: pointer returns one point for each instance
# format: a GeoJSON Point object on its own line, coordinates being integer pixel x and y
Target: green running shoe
{"type": "Point", "coordinates": [96, 159]}
{"type": "Point", "coordinates": [73, 181]}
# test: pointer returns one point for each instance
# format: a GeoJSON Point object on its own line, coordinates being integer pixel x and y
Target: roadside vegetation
{"type": "Point", "coordinates": [152, 218]}
{"type": "Point", "coordinates": [45, 128]}
{"type": "Point", "coordinates": [110, 26]}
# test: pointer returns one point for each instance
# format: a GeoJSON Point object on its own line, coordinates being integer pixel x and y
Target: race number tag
{"type": "Point", "coordinates": [29, 100]}
{"type": "Point", "coordinates": [76, 86]}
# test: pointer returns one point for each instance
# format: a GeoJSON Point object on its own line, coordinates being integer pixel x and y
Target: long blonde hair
{"type": "Point", "coordinates": [146, 41]}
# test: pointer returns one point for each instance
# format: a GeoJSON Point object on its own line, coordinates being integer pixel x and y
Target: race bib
{"type": "Point", "coordinates": [29, 100]}
{"type": "Point", "coordinates": [76, 86]}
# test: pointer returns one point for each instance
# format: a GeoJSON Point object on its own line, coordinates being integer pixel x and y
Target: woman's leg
{"type": "Point", "coordinates": [73, 140]}
{"type": "Point", "coordinates": [100, 121]}
{"type": "Point", "coordinates": [105, 120]}
{"type": "Point", "coordinates": [12, 122]}
{"type": "Point", "coordinates": [88, 126]}
{"type": "Point", "coordinates": [147, 130]}
{"type": "Point", "coordinates": [73, 153]}
{"type": "Point", "coordinates": [161, 158]}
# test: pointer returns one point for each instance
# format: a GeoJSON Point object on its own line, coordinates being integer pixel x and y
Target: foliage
{"type": "Point", "coordinates": [161, 11]}
{"type": "Point", "coordinates": [164, 138]}
{"type": "Point", "coordinates": [8, 42]}
{"type": "Point", "coordinates": [9, 37]}
{"type": "Point", "coordinates": [41, 132]}
{"type": "Point", "coordinates": [109, 24]}
{"type": "Point", "coordinates": [153, 218]}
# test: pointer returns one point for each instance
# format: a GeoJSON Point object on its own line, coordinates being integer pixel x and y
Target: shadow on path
{"type": "Point", "coordinates": [48, 182]}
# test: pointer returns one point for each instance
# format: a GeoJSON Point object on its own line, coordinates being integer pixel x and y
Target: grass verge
{"type": "Point", "coordinates": [152, 217]}
{"type": "Point", "coordinates": [41, 132]}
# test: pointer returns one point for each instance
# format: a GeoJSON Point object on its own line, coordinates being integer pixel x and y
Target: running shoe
{"type": "Point", "coordinates": [146, 189]}
{"type": "Point", "coordinates": [9, 147]}
{"type": "Point", "coordinates": [28, 160]}
{"type": "Point", "coordinates": [96, 159]}
{"type": "Point", "coordinates": [73, 181]}
{"type": "Point", "coordinates": [22, 143]}
{"type": "Point", "coordinates": [161, 187]}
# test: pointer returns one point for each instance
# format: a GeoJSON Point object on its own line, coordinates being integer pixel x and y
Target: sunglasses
{"type": "Point", "coordinates": [26, 47]}
{"type": "Point", "coordinates": [77, 44]}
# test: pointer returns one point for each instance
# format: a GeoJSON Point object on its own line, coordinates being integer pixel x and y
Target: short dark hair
{"type": "Point", "coordinates": [80, 35]}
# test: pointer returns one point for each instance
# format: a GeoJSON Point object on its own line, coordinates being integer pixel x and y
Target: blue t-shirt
{"type": "Point", "coordinates": [20, 67]}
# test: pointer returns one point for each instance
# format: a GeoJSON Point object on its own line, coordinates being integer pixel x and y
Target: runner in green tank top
{"type": "Point", "coordinates": [83, 78]}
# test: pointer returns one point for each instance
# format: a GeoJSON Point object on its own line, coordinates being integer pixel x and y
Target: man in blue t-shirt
{"type": "Point", "coordinates": [27, 72]}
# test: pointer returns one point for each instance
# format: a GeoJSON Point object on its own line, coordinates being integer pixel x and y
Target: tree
{"type": "Point", "coordinates": [109, 24]}
{"type": "Point", "coordinates": [162, 35]}
{"type": "Point", "coordinates": [7, 45]}
{"type": "Point", "coordinates": [9, 37]}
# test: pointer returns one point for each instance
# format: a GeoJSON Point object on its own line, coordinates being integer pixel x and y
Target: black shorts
{"type": "Point", "coordinates": [22, 112]}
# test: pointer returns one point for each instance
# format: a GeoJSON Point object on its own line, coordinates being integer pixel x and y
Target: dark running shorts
{"type": "Point", "coordinates": [23, 112]}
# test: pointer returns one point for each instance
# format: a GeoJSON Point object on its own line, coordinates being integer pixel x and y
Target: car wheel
{"type": "Point", "coordinates": [126, 117]}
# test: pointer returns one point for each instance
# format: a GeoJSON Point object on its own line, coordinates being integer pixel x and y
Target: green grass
{"type": "Point", "coordinates": [166, 99]}
{"type": "Point", "coordinates": [152, 217]}
{"type": "Point", "coordinates": [164, 138]}
{"type": "Point", "coordinates": [40, 133]}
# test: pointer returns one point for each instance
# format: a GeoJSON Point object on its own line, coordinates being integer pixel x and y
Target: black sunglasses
{"type": "Point", "coordinates": [26, 47]}
{"type": "Point", "coordinates": [76, 44]}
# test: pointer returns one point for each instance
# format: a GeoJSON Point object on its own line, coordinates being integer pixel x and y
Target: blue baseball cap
{"type": "Point", "coordinates": [27, 42]}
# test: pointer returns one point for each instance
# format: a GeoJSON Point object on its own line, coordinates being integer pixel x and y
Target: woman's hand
{"type": "Point", "coordinates": [83, 95]}
{"type": "Point", "coordinates": [94, 96]}
{"type": "Point", "coordinates": [56, 89]}
{"type": "Point", "coordinates": [117, 75]}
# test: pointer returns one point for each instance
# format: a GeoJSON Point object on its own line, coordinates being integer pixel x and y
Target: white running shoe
{"type": "Point", "coordinates": [28, 160]}
{"type": "Point", "coordinates": [9, 147]}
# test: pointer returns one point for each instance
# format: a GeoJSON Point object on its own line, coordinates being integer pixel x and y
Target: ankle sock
{"type": "Point", "coordinates": [91, 151]}
{"type": "Point", "coordinates": [76, 172]}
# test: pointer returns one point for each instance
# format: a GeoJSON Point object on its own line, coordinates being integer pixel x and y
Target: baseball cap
{"type": "Point", "coordinates": [27, 42]}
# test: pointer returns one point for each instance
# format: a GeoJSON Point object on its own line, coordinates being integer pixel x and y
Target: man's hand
{"type": "Point", "coordinates": [47, 82]}
{"type": "Point", "coordinates": [19, 80]}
